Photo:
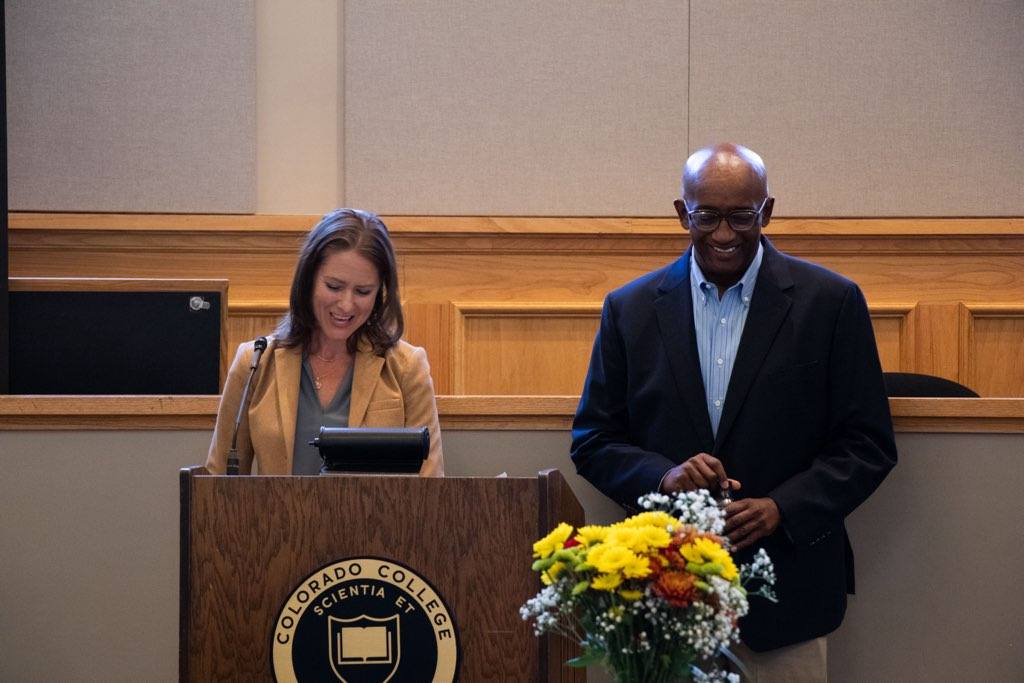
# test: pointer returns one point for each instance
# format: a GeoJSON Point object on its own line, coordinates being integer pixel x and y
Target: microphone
{"type": "Point", "coordinates": [259, 346]}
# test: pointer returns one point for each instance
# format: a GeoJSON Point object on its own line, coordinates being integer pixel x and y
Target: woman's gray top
{"type": "Point", "coordinates": [311, 416]}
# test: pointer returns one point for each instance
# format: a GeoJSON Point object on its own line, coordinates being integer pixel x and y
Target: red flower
{"type": "Point", "coordinates": [678, 588]}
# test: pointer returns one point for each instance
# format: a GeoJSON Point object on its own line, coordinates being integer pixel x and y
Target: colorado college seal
{"type": "Point", "coordinates": [365, 620]}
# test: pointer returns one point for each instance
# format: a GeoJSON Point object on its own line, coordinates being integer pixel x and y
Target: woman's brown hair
{"type": "Point", "coordinates": [342, 230]}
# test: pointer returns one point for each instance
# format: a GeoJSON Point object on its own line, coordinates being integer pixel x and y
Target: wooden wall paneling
{"type": "Point", "coordinates": [523, 348]}
{"type": "Point", "coordinates": [992, 348]}
{"type": "Point", "coordinates": [920, 275]}
{"type": "Point", "coordinates": [894, 336]}
{"type": "Point", "coordinates": [536, 275]}
{"type": "Point", "coordinates": [481, 260]}
{"type": "Point", "coordinates": [258, 263]}
{"type": "Point", "coordinates": [937, 339]}
{"type": "Point", "coordinates": [484, 258]}
{"type": "Point", "coordinates": [917, 228]}
{"type": "Point", "coordinates": [429, 324]}
{"type": "Point", "coordinates": [253, 319]}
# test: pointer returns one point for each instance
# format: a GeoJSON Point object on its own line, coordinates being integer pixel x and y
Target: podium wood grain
{"type": "Point", "coordinates": [247, 542]}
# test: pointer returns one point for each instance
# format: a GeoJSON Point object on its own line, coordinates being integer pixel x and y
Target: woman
{"type": "Point", "coordinates": [336, 359]}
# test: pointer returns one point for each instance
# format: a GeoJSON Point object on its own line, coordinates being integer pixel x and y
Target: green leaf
{"type": "Point", "coordinates": [705, 568]}
{"type": "Point", "coordinates": [542, 565]}
{"type": "Point", "coordinates": [580, 587]}
{"type": "Point", "coordinates": [588, 658]}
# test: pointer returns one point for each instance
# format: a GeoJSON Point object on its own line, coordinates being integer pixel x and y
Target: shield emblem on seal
{"type": "Point", "coordinates": [364, 649]}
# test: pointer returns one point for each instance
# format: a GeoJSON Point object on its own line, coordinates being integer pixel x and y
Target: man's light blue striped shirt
{"type": "Point", "coordinates": [718, 323]}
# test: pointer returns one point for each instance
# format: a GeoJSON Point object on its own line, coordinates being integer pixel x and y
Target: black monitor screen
{"type": "Point", "coordinates": [115, 342]}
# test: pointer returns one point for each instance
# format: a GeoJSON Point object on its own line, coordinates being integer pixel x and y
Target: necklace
{"type": "Point", "coordinates": [326, 360]}
{"type": "Point", "coordinates": [317, 379]}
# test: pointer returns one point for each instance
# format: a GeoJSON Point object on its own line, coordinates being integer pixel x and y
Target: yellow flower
{"type": "Point", "coordinates": [704, 551]}
{"type": "Point", "coordinates": [638, 568]}
{"type": "Point", "coordinates": [653, 537]}
{"type": "Point", "coordinates": [548, 577]}
{"type": "Point", "coordinates": [589, 535]}
{"type": "Point", "coordinates": [606, 582]}
{"type": "Point", "coordinates": [553, 541]}
{"type": "Point", "coordinates": [658, 519]}
{"type": "Point", "coordinates": [608, 558]}
{"type": "Point", "coordinates": [639, 539]}
{"type": "Point", "coordinates": [631, 596]}
{"type": "Point", "coordinates": [625, 537]}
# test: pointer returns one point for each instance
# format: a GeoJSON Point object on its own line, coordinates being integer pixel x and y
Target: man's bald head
{"type": "Point", "coordinates": [724, 206]}
{"type": "Point", "coordinates": [727, 163]}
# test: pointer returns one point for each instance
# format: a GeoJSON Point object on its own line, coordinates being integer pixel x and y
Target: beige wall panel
{"type": "Point", "coordinates": [116, 105]}
{"type": "Point", "coordinates": [513, 349]}
{"type": "Point", "coordinates": [867, 108]}
{"type": "Point", "coordinates": [90, 548]}
{"type": "Point", "coordinates": [298, 105]}
{"type": "Point", "coordinates": [517, 108]}
{"type": "Point", "coordinates": [992, 356]}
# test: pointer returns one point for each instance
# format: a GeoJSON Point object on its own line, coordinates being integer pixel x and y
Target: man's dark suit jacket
{"type": "Point", "coordinates": [805, 421]}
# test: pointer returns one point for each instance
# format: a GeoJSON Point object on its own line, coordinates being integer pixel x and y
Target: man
{"type": "Point", "coordinates": [738, 367]}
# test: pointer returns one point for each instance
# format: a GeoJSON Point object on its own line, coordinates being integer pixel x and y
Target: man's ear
{"type": "Point", "coordinates": [680, 210]}
{"type": "Point", "coordinates": [766, 213]}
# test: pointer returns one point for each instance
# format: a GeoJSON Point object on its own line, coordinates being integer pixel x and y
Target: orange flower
{"type": "Point", "coordinates": [685, 534]}
{"type": "Point", "coordinates": [677, 587]}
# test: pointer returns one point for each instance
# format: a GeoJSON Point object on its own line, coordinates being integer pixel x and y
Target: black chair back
{"type": "Point", "coordinates": [911, 385]}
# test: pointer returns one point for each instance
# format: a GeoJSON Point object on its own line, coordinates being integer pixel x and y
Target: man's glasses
{"type": "Point", "coordinates": [708, 220]}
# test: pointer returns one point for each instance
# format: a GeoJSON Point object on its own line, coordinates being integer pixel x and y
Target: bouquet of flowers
{"type": "Point", "coordinates": [654, 598]}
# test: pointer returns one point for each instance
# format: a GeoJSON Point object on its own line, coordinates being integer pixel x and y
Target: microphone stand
{"type": "Point", "coordinates": [259, 346]}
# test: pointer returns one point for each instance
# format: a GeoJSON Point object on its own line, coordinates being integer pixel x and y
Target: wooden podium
{"type": "Point", "coordinates": [250, 544]}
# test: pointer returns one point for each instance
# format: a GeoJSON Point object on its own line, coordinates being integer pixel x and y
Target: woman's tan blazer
{"type": "Point", "coordinates": [390, 391]}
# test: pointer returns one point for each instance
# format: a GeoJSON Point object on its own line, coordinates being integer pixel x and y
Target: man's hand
{"type": "Point", "coordinates": [749, 520]}
{"type": "Point", "coordinates": [702, 471]}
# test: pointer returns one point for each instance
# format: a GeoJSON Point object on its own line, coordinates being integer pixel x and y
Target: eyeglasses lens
{"type": "Point", "coordinates": [708, 221]}
{"type": "Point", "coordinates": [742, 220]}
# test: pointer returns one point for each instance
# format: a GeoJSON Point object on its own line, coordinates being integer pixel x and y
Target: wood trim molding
{"type": "Point", "coordinates": [107, 412]}
{"type": "Point", "coordinates": [966, 415]}
{"type": "Point", "coordinates": [533, 309]}
{"type": "Point", "coordinates": [902, 313]}
{"type": "Point", "coordinates": [978, 226]}
{"type": "Point", "coordinates": [260, 233]}
{"type": "Point", "coordinates": [53, 413]}
{"type": "Point", "coordinates": [969, 314]}
{"type": "Point", "coordinates": [113, 284]}
{"type": "Point", "coordinates": [259, 308]}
